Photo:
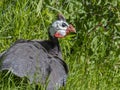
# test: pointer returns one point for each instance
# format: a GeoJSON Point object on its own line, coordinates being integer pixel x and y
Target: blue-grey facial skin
{"type": "Point", "coordinates": [59, 26]}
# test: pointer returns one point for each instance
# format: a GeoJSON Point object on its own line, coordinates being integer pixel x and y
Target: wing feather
{"type": "Point", "coordinates": [31, 60]}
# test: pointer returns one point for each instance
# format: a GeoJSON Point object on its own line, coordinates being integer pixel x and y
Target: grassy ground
{"type": "Point", "coordinates": [93, 55]}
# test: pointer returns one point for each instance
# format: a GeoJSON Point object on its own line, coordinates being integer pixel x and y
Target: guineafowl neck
{"type": "Point", "coordinates": [55, 42]}
{"type": "Point", "coordinates": [55, 47]}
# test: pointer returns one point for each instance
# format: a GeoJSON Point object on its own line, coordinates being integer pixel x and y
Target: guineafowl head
{"type": "Point", "coordinates": [60, 28]}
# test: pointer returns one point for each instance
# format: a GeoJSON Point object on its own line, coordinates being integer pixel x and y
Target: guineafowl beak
{"type": "Point", "coordinates": [70, 29]}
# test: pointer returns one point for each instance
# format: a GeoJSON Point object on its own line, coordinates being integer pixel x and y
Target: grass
{"type": "Point", "coordinates": [93, 54]}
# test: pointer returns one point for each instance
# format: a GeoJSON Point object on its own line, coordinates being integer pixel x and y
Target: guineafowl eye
{"type": "Point", "coordinates": [64, 24]}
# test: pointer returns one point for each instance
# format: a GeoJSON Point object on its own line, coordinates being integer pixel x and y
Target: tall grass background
{"type": "Point", "coordinates": [93, 54]}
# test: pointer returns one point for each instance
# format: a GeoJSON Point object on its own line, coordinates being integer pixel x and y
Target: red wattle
{"type": "Point", "coordinates": [58, 35]}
